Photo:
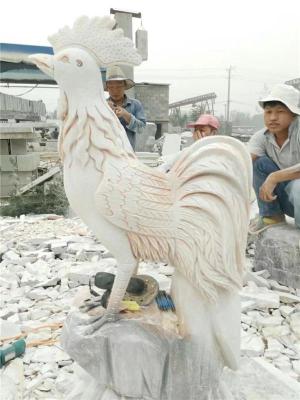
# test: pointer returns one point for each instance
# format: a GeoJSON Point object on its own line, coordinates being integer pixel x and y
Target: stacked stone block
{"type": "Point", "coordinates": [278, 251]}
{"type": "Point", "coordinates": [17, 166]}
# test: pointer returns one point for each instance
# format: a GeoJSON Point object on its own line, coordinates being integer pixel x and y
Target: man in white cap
{"type": "Point", "coordinates": [275, 152]}
{"type": "Point", "coordinates": [129, 111]}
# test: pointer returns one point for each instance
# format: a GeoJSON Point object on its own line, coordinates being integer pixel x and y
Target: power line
{"type": "Point", "coordinates": [241, 102]}
{"type": "Point", "coordinates": [21, 85]}
{"type": "Point", "coordinates": [27, 91]}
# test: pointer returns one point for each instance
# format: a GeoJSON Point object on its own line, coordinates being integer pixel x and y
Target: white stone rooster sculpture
{"type": "Point", "coordinates": [195, 217]}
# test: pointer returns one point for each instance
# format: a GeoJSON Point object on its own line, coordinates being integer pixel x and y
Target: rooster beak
{"type": "Point", "coordinates": [44, 62]}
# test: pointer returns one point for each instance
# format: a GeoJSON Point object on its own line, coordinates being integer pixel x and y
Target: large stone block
{"type": "Point", "coordinates": [145, 138]}
{"type": "Point", "coordinates": [18, 146]}
{"type": "Point", "coordinates": [140, 360]}
{"type": "Point", "coordinates": [17, 131]}
{"type": "Point", "coordinates": [8, 178]}
{"type": "Point", "coordinates": [7, 190]}
{"type": "Point", "coordinates": [8, 163]}
{"type": "Point", "coordinates": [25, 177]}
{"type": "Point", "coordinates": [11, 181]}
{"type": "Point", "coordinates": [28, 162]}
{"type": "Point", "coordinates": [278, 251]}
{"type": "Point", "coordinates": [4, 146]}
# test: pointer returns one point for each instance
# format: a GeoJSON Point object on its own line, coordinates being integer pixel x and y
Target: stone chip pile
{"type": "Point", "coordinates": [44, 262]}
{"type": "Point", "coordinates": [270, 321]}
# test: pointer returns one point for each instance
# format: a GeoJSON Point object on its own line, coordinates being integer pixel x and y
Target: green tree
{"type": "Point", "coordinates": [177, 118]}
{"type": "Point", "coordinates": [195, 112]}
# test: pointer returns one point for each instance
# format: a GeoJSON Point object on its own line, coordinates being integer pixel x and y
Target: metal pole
{"type": "Point", "coordinates": [228, 98]}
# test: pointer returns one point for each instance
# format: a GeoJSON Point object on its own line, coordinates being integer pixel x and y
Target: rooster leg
{"type": "Point", "coordinates": [111, 314]}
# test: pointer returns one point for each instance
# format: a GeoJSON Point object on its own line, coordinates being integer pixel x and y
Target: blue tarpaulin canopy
{"type": "Point", "coordinates": [15, 67]}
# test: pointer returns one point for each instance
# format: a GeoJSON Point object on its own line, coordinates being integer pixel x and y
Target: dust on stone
{"type": "Point", "coordinates": [46, 260]}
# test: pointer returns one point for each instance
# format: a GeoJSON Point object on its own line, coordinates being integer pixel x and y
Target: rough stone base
{"type": "Point", "coordinates": [141, 361]}
{"type": "Point", "coordinates": [278, 251]}
{"type": "Point", "coordinates": [255, 380]}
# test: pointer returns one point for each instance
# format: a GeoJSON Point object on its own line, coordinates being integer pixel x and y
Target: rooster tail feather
{"type": "Point", "coordinates": [214, 212]}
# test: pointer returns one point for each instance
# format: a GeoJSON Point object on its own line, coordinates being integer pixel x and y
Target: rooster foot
{"type": "Point", "coordinates": [97, 322]}
{"type": "Point", "coordinates": [91, 304]}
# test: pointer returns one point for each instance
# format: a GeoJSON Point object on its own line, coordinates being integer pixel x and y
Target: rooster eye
{"type": "Point", "coordinates": [79, 63]}
{"type": "Point", "coordinates": [64, 59]}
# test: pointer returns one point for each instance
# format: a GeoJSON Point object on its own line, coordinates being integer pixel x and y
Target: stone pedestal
{"type": "Point", "coordinates": [278, 251]}
{"type": "Point", "coordinates": [17, 166]}
{"type": "Point", "coordinates": [127, 358]}
{"type": "Point", "coordinates": [140, 360]}
{"type": "Point", "coordinates": [256, 379]}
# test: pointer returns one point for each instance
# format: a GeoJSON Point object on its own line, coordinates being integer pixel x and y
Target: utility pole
{"type": "Point", "coordinates": [228, 100]}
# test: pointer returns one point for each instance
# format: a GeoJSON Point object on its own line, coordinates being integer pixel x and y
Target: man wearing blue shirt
{"type": "Point", "coordinates": [129, 111]}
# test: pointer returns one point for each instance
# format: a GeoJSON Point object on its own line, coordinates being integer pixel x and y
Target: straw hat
{"type": "Point", "coordinates": [142, 288]}
{"type": "Point", "coordinates": [287, 95]}
{"type": "Point", "coordinates": [149, 292]}
{"type": "Point", "coordinates": [115, 73]}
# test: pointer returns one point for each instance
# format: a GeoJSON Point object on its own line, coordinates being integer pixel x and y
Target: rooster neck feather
{"type": "Point", "coordinates": [92, 127]}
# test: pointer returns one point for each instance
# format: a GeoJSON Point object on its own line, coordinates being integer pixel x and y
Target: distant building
{"type": "Point", "coordinates": [18, 109]}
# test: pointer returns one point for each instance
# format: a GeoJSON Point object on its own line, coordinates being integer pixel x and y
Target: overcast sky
{"type": "Point", "coordinates": [191, 44]}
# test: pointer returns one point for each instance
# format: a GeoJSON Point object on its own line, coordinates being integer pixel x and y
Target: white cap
{"type": "Point", "coordinates": [286, 94]}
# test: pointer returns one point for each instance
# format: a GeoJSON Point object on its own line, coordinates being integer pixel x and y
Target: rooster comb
{"type": "Point", "coordinates": [99, 37]}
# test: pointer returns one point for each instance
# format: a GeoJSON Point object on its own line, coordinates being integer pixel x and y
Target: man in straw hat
{"type": "Point", "coordinates": [275, 152]}
{"type": "Point", "coordinates": [129, 111]}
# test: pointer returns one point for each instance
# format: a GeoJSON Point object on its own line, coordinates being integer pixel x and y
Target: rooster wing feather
{"type": "Point", "coordinates": [194, 217]}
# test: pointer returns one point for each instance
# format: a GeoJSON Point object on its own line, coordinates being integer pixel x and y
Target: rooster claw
{"type": "Point", "coordinates": [90, 304]}
{"type": "Point", "coordinates": [97, 322]}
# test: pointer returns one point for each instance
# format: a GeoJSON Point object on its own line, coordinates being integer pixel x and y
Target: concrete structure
{"type": "Point", "coordinates": [145, 138]}
{"type": "Point", "coordinates": [17, 166]}
{"type": "Point", "coordinates": [155, 99]}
